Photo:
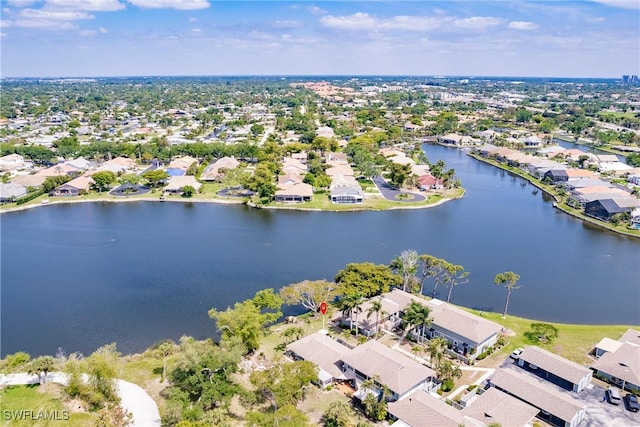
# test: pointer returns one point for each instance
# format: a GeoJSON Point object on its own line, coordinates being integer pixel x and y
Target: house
{"type": "Point", "coordinates": [58, 170]}
{"type": "Point", "coordinates": [556, 406]}
{"type": "Point", "coordinates": [289, 178]}
{"type": "Point", "coordinates": [468, 334]}
{"type": "Point", "coordinates": [76, 187]}
{"type": "Point", "coordinates": [496, 407]}
{"type": "Point", "coordinates": [11, 192]}
{"type": "Point", "coordinates": [214, 170]}
{"type": "Point", "coordinates": [401, 374]}
{"type": "Point", "coordinates": [301, 157]}
{"type": "Point", "coordinates": [11, 162]}
{"type": "Point", "coordinates": [183, 163]}
{"type": "Point", "coordinates": [326, 132]}
{"type": "Point", "coordinates": [342, 169]}
{"type": "Point", "coordinates": [333, 157]}
{"type": "Point", "coordinates": [532, 141]}
{"type": "Point", "coordinates": [325, 352]}
{"type": "Point", "coordinates": [176, 184]}
{"type": "Point", "coordinates": [346, 194]}
{"type": "Point", "coordinates": [290, 165]}
{"type": "Point", "coordinates": [430, 182]}
{"type": "Point", "coordinates": [294, 193]}
{"type": "Point", "coordinates": [29, 180]}
{"type": "Point", "coordinates": [619, 361]}
{"type": "Point", "coordinates": [118, 165]}
{"type": "Point", "coordinates": [421, 409]}
{"type": "Point", "coordinates": [605, 209]}
{"type": "Point", "coordinates": [550, 366]}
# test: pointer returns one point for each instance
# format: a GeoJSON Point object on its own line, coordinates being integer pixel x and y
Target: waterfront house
{"type": "Point", "coordinates": [214, 170]}
{"type": "Point", "coordinates": [556, 406]}
{"type": "Point", "coordinates": [605, 209]}
{"type": "Point", "coordinates": [619, 361]}
{"type": "Point", "coordinates": [468, 335]}
{"type": "Point", "coordinates": [346, 194]}
{"type": "Point", "coordinates": [176, 184]}
{"type": "Point", "coordinates": [401, 374]}
{"type": "Point", "coordinates": [325, 352]}
{"type": "Point", "coordinates": [76, 187]}
{"type": "Point", "coordinates": [10, 192]}
{"type": "Point", "coordinates": [294, 193]}
{"type": "Point", "coordinates": [555, 368]}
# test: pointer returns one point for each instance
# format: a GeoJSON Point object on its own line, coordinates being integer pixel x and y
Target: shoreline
{"type": "Point", "coordinates": [71, 201]}
{"type": "Point", "coordinates": [556, 203]}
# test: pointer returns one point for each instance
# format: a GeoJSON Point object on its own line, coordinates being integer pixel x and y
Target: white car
{"type": "Point", "coordinates": [516, 353]}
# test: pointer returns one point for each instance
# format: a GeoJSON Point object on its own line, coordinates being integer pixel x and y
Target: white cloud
{"type": "Point", "coordinates": [90, 5]}
{"type": "Point", "coordinates": [596, 19]}
{"type": "Point", "coordinates": [477, 22]}
{"type": "Point", "coordinates": [523, 25]}
{"type": "Point", "coordinates": [625, 4]}
{"type": "Point", "coordinates": [171, 4]}
{"type": "Point", "coordinates": [316, 10]}
{"type": "Point", "coordinates": [88, 33]}
{"type": "Point", "coordinates": [287, 24]}
{"type": "Point", "coordinates": [363, 21]}
{"type": "Point", "coordinates": [22, 3]}
{"type": "Point", "coordinates": [51, 15]}
{"type": "Point", "coordinates": [103, 30]}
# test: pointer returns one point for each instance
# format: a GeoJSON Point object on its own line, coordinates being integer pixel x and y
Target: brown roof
{"type": "Point", "coordinates": [421, 409]}
{"type": "Point", "coordinates": [397, 371]}
{"type": "Point", "coordinates": [538, 392]}
{"type": "Point", "coordinates": [297, 189]}
{"type": "Point", "coordinates": [495, 406]}
{"type": "Point", "coordinates": [554, 364]}
{"type": "Point", "coordinates": [631, 336]}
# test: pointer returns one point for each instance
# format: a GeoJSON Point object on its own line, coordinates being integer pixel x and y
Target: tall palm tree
{"type": "Point", "coordinates": [351, 305]}
{"type": "Point", "coordinates": [416, 317]}
{"type": "Point", "coordinates": [455, 276]}
{"type": "Point", "coordinates": [508, 279]}
{"type": "Point", "coordinates": [436, 349]}
{"type": "Point", "coordinates": [376, 307]}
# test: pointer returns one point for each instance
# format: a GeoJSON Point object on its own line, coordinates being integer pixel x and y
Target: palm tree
{"type": "Point", "coordinates": [416, 316]}
{"type": "Point", "coordinates": [376, 307]}
{"type": "Point", "coordinates": [507, 279]}
{"type": "Point", "coordinates": [350, 305]}
{"type": "Point", "coordinates": [436, 349]}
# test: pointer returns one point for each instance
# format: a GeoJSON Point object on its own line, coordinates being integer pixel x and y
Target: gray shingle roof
{"type": "Point", "coordinates": [554, 364]}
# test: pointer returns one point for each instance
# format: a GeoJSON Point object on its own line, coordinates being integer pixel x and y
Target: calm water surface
{"type": "Point", "coordinates": [80, 276]}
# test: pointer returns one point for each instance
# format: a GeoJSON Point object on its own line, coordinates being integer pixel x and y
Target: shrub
{"type": "Point", "coordinates": [482, 355]}
{"type": "Point", "coordinates": [472, 387]}
{"type": "Point", "coordinates": [447, 385]}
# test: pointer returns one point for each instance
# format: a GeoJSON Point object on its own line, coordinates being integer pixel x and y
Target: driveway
{"type": "Point", "coordinates": [390, 193]}
{"type": "Point", "coordinates": [134, 399]}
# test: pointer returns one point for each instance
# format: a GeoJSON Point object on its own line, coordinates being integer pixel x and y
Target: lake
{"type": "Point", "coordinates": [83, 275]}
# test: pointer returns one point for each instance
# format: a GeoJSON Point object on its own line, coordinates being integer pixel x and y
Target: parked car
{"type": "Point", "coordinates": [631, 402]}
{"type": "Point", "coordinates": [613, 396]}
{"type": "Point", "coordinates": [516, 353]}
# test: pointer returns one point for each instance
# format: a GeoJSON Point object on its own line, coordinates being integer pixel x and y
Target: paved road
{"type": "Point", "coordinates": [134, 399]}
{"type": "Point", "coordinates": [390, 193]}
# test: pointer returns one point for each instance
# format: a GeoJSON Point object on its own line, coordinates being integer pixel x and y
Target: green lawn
{"type": "Point", "coordinates": [41, 402]}
{"type": "Point", "coordinates": [574, 342]}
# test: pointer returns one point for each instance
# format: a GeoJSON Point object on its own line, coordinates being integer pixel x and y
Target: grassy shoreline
{"type": "Point", "coordinates": [559, 204]}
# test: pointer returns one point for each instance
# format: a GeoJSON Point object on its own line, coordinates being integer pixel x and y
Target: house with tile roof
{"type": "Point", "coordinates": [325, 352]}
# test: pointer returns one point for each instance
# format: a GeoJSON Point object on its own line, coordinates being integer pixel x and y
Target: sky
{"type": "Point", "coordinates": [103, 38]}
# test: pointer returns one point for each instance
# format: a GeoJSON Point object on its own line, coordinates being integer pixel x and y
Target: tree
{"type": "Point", "coordinates": [188, 191]}
{"type": "Point", "coordinates": [102, 180]}
{"type": "Point", "coordinates": [339, 414]}
{"type": "Point", "coordinates": [155, 177]}
{"type": "Point", "coordinates": [542, 332]}
{"type": "Point", "coordinates": [41, 367]}
{"type": "Point", "coordinates": [284, 383]}
{"type": "Point", "coordinates": [454, 276]}
{"type": "Point", "coordinates": [436, 349]}
{"type": "Point", "coordinates": [376, 307]}
{"type": "Point", "coordinates": [508, 279]}
{"type": "Point", "coordinates": [351, 305]}
{"type": "Point", "coordinates": [308, 293]}
{"type": "Point", "coordinates": [247, 319]}
{"type": "Point", "coordinates": [398, 174]}
{"type": "Point", "coordinates": [256, 129]}
{"type": "Point", "coordinates": [416, 318]}
{"type": "Point", "coordinates": [447, 370]}
{"type": "Point", "coordinates": [406, 265]}
{"type": "Point", "coordinates": [166, 348]}
{"type": "Point", "coordinates": [367, 279]}
{"type": "Point", "coordinates": [101, 367]}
